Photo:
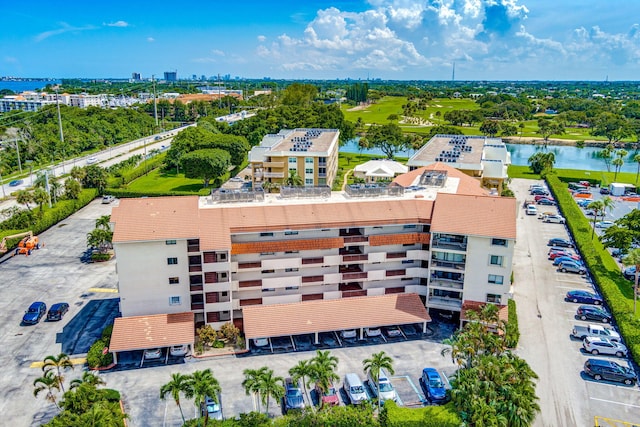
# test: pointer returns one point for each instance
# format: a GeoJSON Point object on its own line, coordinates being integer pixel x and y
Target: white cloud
{"type": "Point", "coordinates": [262, 39]}
{"type": "Point", "coordinates": [11, 59]}
{"type": "Point", "coordinates": [150, 39]}
{"type": "Point", "coordinates": [65, 28]}
{"type": "Point", "coordinates": [117, 24]}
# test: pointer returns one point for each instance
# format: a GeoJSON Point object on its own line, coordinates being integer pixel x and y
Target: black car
{"type": "Point", "coordinates": [629, 273]}
{"type": "Point", "coordinates": [34, 313]}
{"type": "Point", "coordinates": [563, 243]}
{"type": "Point", "coordinates": [583, 297]}
{"type": "Point", "coordinates": [609, 370]}
{"type": "Point", "coordinates": [546, 202]}
{"type": "Point", "coordinates": [293, 398]}
{"type": "Point", "coordinates": [57, 311]}
{"type": "Point", "coordinates": [539, 192]}
{"type": "Point", "coordinates": [589, 312]}
{"type": "Point", "coordinates": [604, 190]}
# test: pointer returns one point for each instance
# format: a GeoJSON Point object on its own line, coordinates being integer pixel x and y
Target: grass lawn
{"type": "Point", "coordinates": [159, 181]}
{"type": "Point", "coordinates": [603, 177]}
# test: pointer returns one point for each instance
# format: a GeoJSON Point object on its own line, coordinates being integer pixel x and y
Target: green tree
{"type": "Point", "coordinates": [636, 159]}
{"type": "Point", "coordinates": [490, 128]}
{"type": "Point", "coordinates": [203, 384]}
{"type": "Point", "coordinates": [251, 384]}
{"type": "Point", "coordinates": [78, 173]}
{"type": "Point", "coordinates": [547, 127]}
{"type": "Point", "coordinates": [374, 364]}
{"type": "Point", "coordinates": [298, 94]}
{"type": "Point", "coordinates": [324, 369]}
{"type": "Point", "coordinates": [270, 386]}
{"type": "Point", "coordinates": [57, 364]}
{"type": "Point", "coordinates": [541, 162]}
{"type": "Point", "coordinates": [48, 382]}
{"type": "Point", "coordinates": [24, 197]}
{"type": "Point", "coordinates": [304, 371]}
{"type": "Point", "coordinates": [95, 177]}
{"type": "Point", "coordinates": [388, 138]}
{"type": "Point", "coordinates": [612, 126]}
{"type": "Point", "coordinates": [294, 179]}
{"type": "Point", "coordinates": [101, 239]}
{"type": "Point", "coordinates": [88, 377]}
{"type": "Point", "coordinates": [72, 189]}
{"type": "Point", "coordinates": [40, 196]}
{"type": "Point", "coordinates": [633, 258]}
{"type": "Point", "coordinates": [605, 154]}
{"type": "Point", "coordinates": [206, 164]}
{"type": "Point", "coordinates": [179, 384]}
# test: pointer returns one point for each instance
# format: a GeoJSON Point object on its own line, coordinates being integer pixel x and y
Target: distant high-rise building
{"type": "Point", "coordinates": [171, 76]}
{"type": "Point", "coordinates": [194, 77]}
{"type": "Point", "coordinates": [135, 76]}
{"type": "Point", "coordinates": [203, 77]}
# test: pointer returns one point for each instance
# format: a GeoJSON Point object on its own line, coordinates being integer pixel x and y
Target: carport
{"type": "Point", "coordinates": [145, 332]}
{"type": "Point", "coordinates": [314, 317]}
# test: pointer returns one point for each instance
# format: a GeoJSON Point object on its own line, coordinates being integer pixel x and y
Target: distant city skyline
{"type": "Point", "coordinates": [378, 39]}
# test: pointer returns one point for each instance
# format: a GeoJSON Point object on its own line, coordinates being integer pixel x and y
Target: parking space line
{"type": "Point", "coordinates": [105, 290]}
{"type": "Point", "coordinates": [613, 401]}
{"type": "Point", "coordinates": [78, 361]}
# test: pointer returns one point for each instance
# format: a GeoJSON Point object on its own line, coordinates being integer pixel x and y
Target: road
{"type": "Point", "coordinates": [103, 158]}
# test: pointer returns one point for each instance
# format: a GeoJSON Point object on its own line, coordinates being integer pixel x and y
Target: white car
{"type": "Point", "coordinates": [179, 350]}
{"type": "Point", "coordinates": [387, 392]}
{"type": "Point", "coordinates": [557, 219]}
{"type": "Point", "coordinates": [107, 199]}
{"type": "Point", "coordinates": [349, 333]}
{"type": "Point", "coordinates": [604, 224]}
{"type": "Point", "coordinates": [92, 160]}
{"type": "Point", "coordinates": [261, 342]}
{"type": "Point", "coordinates": [372, 332]}
{"type": "Point", "coordinates": [153, 353]}
{"type": "Point", "coordinates": [531, 210]}
{"type": "Point", "coordinates": [599, 345]}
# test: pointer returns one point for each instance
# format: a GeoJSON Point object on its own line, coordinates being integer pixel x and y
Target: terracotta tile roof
{"type": "Point", "coordinates": [155, 218]}
{"type": "Point", "coordinates": [467, 184]}
{"type": "Point", "coordinates": [489, 216]}
{"type": "Point", "coordinates": [158, 330]}
{"type": "Point", "coordinates": [503, 310]}
{"type": "Point", "coordinates": [332, 315]}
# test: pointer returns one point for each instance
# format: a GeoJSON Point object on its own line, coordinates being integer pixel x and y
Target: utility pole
{"type": "Point", "coordinates": [60, 125]}
{"type": "Point", "coordinates": [219, 94]}
{"type": "Point", "coordinates": [155, 101]}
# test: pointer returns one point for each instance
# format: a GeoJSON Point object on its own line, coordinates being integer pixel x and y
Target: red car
{"type": "Point", "coordinates": [329, 397]}
{"type": "Point", "coordinates": [536, 198]}
{"type": "Point", "coordinates": [554, 255]}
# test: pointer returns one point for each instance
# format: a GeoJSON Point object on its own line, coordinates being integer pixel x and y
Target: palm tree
{"type": "Point", "coordinates": [204, 384]}
{"type": "Point", "coordinates": [597, 206]}
{"type": "Point", "coordinates": [270, 386]}
{"type": "Point", "coordinates": [103, 222]}
{"type": "Point", "coordinates": [179, 384]}
{"type": "Point", "coordinates": [304, 371]}
{"type": "Point", "coordinates": [633, 258]}
{"type": "Point", "coordinates": [294, 179]}
{"type": "Point", "coordinates": [324, 369]}
{"type": "Point", "coordinates": [617, 163]}
{"type": "Point", "coordinates": [47, 382]}
{"type": "Point", "coordinates": [374, 364]}
{"type": "Point", "coordinates": [88, 377]}
{"type": "Point", "coordinates": [58, 364]}
{"type": "Point", "coordinates": [636, 159]}
{"type": "Point", "coordinates": [251, 384]}
{"type": "Point", "coordinates": [24, 197]}
{"type": "Point", "coordinates": [40, 196]}
{"type": "Point", "coordinates": [605, 155]}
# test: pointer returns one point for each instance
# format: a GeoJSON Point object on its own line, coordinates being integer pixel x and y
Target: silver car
{"type": "Point", "coordinates": [571, 267]}
{"type": "Point", "coordinates": [600, 345]}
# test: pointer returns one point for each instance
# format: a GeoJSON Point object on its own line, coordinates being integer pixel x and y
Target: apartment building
{"type": "Point", "coordinates": [311, 153]}
{"type": "Point", "coordinates": [10, 103]}
{"type": "Point", "coordinates": [484, 158]}
{"type": "Point", "coordinates": [433, 239]}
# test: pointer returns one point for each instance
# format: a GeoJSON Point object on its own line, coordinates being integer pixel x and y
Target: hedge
{"type": "Point", "coordinates": [616, 290]}
{"type": "Point", "coordinates": [428, 416]}
{"type": "Point", "coordinates": [95, 357]}
{"type": "Point", "coordinates": [512, 332]}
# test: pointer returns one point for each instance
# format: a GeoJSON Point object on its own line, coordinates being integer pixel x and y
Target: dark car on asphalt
{"type": "Point", "coordinates": [583, 297]}
{"type": "Point", "coordinates": [629, 273]}
{"type": "Point", "coordinates": [563, 243]}
{"type": "Point", "coordinates": [589, 312]}
{"type": "Point", "coordinates": [34, 313]}
{"type": "Point", "coordinates": [292, 396]}
{"type": "Point", "coordinates": [433, 386]}
{"type": "Point", "coordinates": [57, 311]}
{"type": "Point", "coordinates": [546, 202]}
{"type": "Point", "coordinates": [608, 370]}
{"type": "Point", "coordinates": [15, 183]}
{"type": "Point", "coordinates": [604, 190]}
{"type": "Point", "coordinates": [539, 192]}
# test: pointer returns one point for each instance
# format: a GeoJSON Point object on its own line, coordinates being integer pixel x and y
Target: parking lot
{"type": "Point", "coordinates": [567, 396]}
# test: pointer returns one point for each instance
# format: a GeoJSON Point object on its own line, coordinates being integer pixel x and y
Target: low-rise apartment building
{"type": "Point", "coordinates": [311, 153]}
{"type": "Point", "coordinates": [434, 236]}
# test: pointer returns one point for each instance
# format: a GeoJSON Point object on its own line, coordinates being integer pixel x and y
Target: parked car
{"type": "Point", "coordinates": [598, 345]}
{"type": "Point", "coordinates": [106, 199]}
{"type": "Point", "coordinates": [561, 253]}
{"type": "Point", "coordinates": [583, 191]}
{"type": "Point", "coordinates": [372, 332]}
{"type": "Point", "coordinates": [57, 311]}
{"type": "Point", "coordinates": [92, 160]}
{"type": "Point", "coordinates": [15, 182]}
{"type": "Point", "coordinates": [581, 332]}
{"type": "Point", "coordinates": [349, 334]}
{"type": "Point", "coordinates": [589, 312]}
{"type": "Point", "coordinates": [539, 192]}
{"type": "Point", "coordinates": [604, 224]}
{"type": "Point", "coordinates": [34, 313]}
{"type": "Point", "coordinates": [211, 408]}
{"type": "Point", "coordinates": [531, 210]}
{"type": "Point", "coordinates": [573, 258]}
{"type": "Point", "coordinates": [537, 186]}
{"type": "Point", "coordinates": [583, 203]}
{"type": "Point", "coordinates": [604, 190]}
{"type": "Point", "coordinates": [583, 297]}
{"type": "Point", "coordinates": [328, 397]}
{"type": "Point", "coordinates": [572, 267]}
{"type": "Point", "coordinates": [393, 331]}
{"type": "Point", "coordinates": [609, 370]}
{"type": "Point", "coordinates": [387, 392]}
{"type": "Point", "coordinates": [354, 389]}
{"type": "Point", "coordinates": [433, 386]}
{"type": "Point", "coordinates": [629, 273]}
{"type": "Point", "coordinates": [557, 219]}
{"type": "Point", "coordinates": [293, 398]}
{"type": "Point", "coordinates": [542, 215]}
{"type": "Point", "coordinates": [540, 197]}
{"type": "Point", "coordinates": [261, 342]}
{"type": "Point", "coordinates": [179, 350]}
{"type": "Point", "coordinates": [556, 241]}
{"type": "Point", "coordinates": [546, 202]}
{"type": "Point", "coordinates": [152, 353]}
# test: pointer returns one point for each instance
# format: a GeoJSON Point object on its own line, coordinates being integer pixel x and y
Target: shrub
{"type": "Point", "coordinates": [97, 257]}
{"type": "Point", "coordinates": [218, 344]}
{"type": "Point", "coordinates": [208, 336]}
{"type": "Point", "coordinates": [111, 395]}
{"type": "Point", "coordinates": [230, 332]}
{"type": "Point", "coordinates": [429, 416]}
{"type": "Point", "coordinates": [95, 358]}
{"type": "Point", "coordinates": [512, 332]}
{"type": "Point", "coordinates": [106, 333]}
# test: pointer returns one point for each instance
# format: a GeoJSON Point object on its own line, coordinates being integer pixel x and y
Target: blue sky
{"type": "Point", "coordinates": [388, 39]}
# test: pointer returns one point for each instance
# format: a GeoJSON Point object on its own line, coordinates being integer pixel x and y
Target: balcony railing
{"type": "Point", "coordinates": [390, 273]}
{"type": "Point", "coordinates": [311, 279]}
{"type": "Point", "coordinates": [195, 268]}
{"type": "Point", "coordinates": [195, 288]}
{"type": "Point", "coordinates": [193, 248]}
{"type": "Point", "coordinates": [352, 276]}
{"type": "Point", "coordinates": [351, 232]}
{"type": "Point", "coordinates": [447, 283]}
{"type": "Point", "coordinates": [349, 294]}
{"type": "Point", "coordinates": [443, 301]}
{"type": "Point", "coordinates": [350, 251]}
{"type": "Point", "coordinates": [318, 260]}
{"type": "Point", "coordinates": [249, 283]}
{"type": "Point", "coordinates": [355, 239]}
{"type": "Point", "coordinates": [348, 258]}
{"type": "Point", "coordinates": [197, 306]}
{"type": "Point", "coordinates": [249, 265]}
{"type": "Point", "coordinates": [273, 174]}
{"type": "Point", "coordinates": [396, 255]}
{"type": "Point", "coordinates": [449, 244]}
{"type": "Point", "coordinates": [456, 265]}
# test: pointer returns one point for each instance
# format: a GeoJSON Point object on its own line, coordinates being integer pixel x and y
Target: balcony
{"type": "Point", "coordinates": [273, 164]}
{"type": "Point", "coordinates": [197, 305]}
{"type": "Point", "coordinates": [243, 265]}
{"type": "Point", "coordinates": [391, 273]}
{"type": "Point", "coordinates": [350, 287]}
{"type": "Point", "coordinates": [454, 265]}
{"type": "Point", "coordinates": [194, 268]}
{"type": "Point", "coordinates": [347, 232]}
{"type": "Point", "coordinates": [273, 174]}
{"type": "Point", "coordinates": [395, 255]}
{"type": "Point", "coordinates": [447, 283]}
{"type": "Point", "coordinates": [250, 283]}
{"type": "Point", "coordinates": [444, 302]}
{"type": "Point", "coordinates": [351, 251]}
{"type": "Point", "coordinates": [193, 245]}
{"type": "Point", "coordinates": [195, 288]}
{"type": "Point", "coordinates": [350, 294]}
{"type": "Point", "coordinates": [349, 258]}
{"type": "Point", "coordinates": [458, 244]}
{"type": "Point", "coordinates": [318, 260]}
{"type": "Point", "coordinates": [312, 279]}
{"type": "Point", "coordinates": [210, 257]}
{"type": "Point", "coordinates": [356, 239]}
{"type": "Point", "coordinates": [353, 276]}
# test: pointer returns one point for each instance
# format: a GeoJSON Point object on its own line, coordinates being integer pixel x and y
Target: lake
{"type": "Point", "coordinates": [21, 86]}
{"type": "Point", "coordinates": [567, 157]}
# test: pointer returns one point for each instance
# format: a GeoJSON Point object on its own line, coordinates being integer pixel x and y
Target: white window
{"type": "Point", "coordinates": [308, 160]}
{"type": "Point", "coordinates": [175, 300]}
{"type": "Point", "coordinates": [496, 279]}
{"type": "Point", "coordinates": [496, 260]}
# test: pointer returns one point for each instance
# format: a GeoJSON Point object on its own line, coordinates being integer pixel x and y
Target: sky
{"type": "Point", "coordinates": [314, 39]}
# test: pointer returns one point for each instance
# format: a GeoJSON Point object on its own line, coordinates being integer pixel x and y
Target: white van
{"type": "Point", "coordinates": [354, 389]}
{"type": "Point", "coordinates": [387, 392]}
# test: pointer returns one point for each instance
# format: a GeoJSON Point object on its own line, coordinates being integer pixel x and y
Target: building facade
{"type": "Point", "coordinates": [448, 242]}
{"type": "Point", "coordinates": [312, 154]}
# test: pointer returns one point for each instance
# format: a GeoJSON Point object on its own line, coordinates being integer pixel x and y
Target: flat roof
{"type": "Point", "coordinates": [157, 330]}
{"type": "Point", "coordinates": [433, 150]}
{"type": "Point", "coordinates": [308, 317]}
{"type": "Point", "coordinates": [321, 142]}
